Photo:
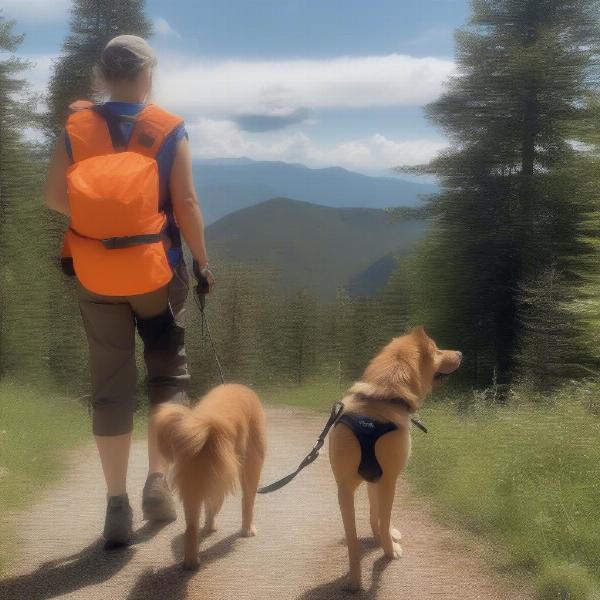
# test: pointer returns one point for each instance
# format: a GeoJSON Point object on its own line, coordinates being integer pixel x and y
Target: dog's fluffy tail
{"type": "Point", "coordinates": [202, 450]}
{"type": "Point", "coordinates": [171, 424]}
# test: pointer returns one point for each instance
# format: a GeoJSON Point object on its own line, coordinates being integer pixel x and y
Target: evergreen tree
{"type": "Point", "coordinates": [22, 318]}
{"type": "Point", "coordinates": [507, 212]}
{"type": "Point", "coordinates": [93, 24]}
{"type": "Point", "coordinates": [299, 336]}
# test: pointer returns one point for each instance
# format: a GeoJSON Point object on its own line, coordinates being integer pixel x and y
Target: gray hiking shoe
{"type": "Point", "coordinates": [157, 501]}
{"type": "Point", "coordinates": [118, 524]}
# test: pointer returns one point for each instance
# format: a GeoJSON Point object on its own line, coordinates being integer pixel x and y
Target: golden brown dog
{"type": "Point", "coordinates": [373, 434]}
{"type": "Point", "coordinates": [222, 439]}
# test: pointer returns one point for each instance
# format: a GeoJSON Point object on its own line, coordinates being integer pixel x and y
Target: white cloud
{"type": "Point", "coordinates": [212, 97]}
{"type": "Point", "coordinates": [221, 138]}
{"type": "Point", "coordinates": [222, 89]}
{"type": "Point", "coordinates": [38, 75]}
{"type": "Point", "coordinates": [163, 27]}
{"type": "Point", "coordinates": [36, 10]}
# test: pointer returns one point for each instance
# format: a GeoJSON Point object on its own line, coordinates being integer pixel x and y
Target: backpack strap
{"type": "Point", "coordinates": [152, 127]}
{"type": "Point", "coordinates": [88, 134]}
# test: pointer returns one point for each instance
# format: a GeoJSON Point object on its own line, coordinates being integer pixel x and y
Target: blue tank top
{"type": "Point", "coordinates": [164, 160]}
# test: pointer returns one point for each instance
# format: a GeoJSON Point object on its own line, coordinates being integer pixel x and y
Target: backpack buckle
{"type": "Point", "coordinates": [111, 243]}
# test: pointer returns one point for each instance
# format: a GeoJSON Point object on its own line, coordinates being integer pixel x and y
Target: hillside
{"type": "Point", "coordinates": [227, 185]}
{"type": "Point", "coordinates": [312, 246]}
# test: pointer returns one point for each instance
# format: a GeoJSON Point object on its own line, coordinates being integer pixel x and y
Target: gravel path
{"type": "Point", "coordinates": [298, 553]}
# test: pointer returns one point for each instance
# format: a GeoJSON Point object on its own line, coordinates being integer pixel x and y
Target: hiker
{"type": "Point", "coordinates": [122, 172]}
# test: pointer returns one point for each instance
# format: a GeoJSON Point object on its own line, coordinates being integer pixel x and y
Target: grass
{"type": "Point", "coordinates": [36, 431]}
{"type": "Point", "coordinates": [316, 395]}
{"type": "Point", "coordinates": [525, 478]}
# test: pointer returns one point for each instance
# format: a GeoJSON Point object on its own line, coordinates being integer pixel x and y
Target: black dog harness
{"type": "Point", "coordinates": [367, 432]}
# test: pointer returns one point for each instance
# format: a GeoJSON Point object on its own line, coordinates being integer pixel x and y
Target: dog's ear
{"type": "Point", "coordinates": [419, 333]}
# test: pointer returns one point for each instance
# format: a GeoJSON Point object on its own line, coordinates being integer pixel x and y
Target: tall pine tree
{"type": "Point", "coordinates": [507, 212]}
{"type": "Point", "coordinates": [22, 316]}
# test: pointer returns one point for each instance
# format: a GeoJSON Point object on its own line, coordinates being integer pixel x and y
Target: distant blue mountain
{"type": "Point", "coordinates": [316, 247]}
{"type": "Point", "coordinates": [226, 185]}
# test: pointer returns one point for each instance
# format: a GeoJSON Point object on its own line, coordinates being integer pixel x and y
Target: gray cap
{"type": "Point", "coordinates": [125, 56]}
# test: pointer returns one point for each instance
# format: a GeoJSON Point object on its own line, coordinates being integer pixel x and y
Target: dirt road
{"type": "Point", "coordinates": [298, 553]}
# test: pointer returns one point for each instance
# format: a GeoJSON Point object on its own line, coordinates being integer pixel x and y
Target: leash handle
{"type": "Point", "coordinates": [203, 286]}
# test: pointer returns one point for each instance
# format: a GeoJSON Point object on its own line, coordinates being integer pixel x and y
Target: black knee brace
{"type": "Point", "coordinates": [161, 333]}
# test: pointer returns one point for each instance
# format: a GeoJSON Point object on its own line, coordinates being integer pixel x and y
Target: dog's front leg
{"type": "Point", "coordinates": [346, 500]}
{"type": "Point", "coordinates": [191, 538]}
{"type": "Point", "coordinates": [386, 489]}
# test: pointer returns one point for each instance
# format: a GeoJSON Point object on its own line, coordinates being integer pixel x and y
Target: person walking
{"type": "Point", "coordinates": [122, 171]}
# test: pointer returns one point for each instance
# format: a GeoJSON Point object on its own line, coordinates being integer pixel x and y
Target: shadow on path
{"type": "Point", "coordinates": [171, 582]}
{"type": "Point", "coordinates": [90, 566]}
{"type": "Point", "coordinates": [338, 590]}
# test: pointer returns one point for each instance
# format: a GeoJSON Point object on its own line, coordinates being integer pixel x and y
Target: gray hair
{"type": "Point", "coordinates": [125, 57]}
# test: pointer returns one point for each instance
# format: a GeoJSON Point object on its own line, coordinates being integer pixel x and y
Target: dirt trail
{"type": "Point", "coordinates": [298, 553]}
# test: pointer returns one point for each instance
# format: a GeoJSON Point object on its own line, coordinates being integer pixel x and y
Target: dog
{"type": "Point", "coordinates": [371, 439]}
{"type": "Point", "coordinates": [210, 447]}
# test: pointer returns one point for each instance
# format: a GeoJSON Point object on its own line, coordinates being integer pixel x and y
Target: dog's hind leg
{"type": "Point", "coordinates": [386, 489]}
{"type": "Point", "coordinates": [211, 508]}
{"type": "Point", "coordinates": [249, 477]}
{"type": "Point", "coordinates": [373, 509]}
{"type": "Point", "coordinates": [346, 500]}
{"type": "Point", "coordinates": [374, 515]}
{"type": "Point", "coordinates": [191, 508]}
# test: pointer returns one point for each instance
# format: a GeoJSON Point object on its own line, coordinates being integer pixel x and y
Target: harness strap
{"type": "Point", "coordinates": [336, 413]}
{"type": "Point", "coordinates": [127, 241]}
{"type": "Point", "coordinates": [398, 400]}
{"type": "Point", "coordinates": [113, 122]}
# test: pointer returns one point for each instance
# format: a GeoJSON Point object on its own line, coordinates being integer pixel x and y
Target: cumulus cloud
{"type": "Point", "coordinates": [243, 108]}
{"type": "Point", "coordinates": [36, 10]}
{"type": "Point", "coordinates": [228, 88]}
{"type": "Point", "coordinates": [222, 138]}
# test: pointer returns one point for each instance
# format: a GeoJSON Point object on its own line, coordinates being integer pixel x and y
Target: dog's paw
{"type": "Point", "coordinates": [396, 535]}
{"type": "Point", "coordinates": [249, 531]}
{"type": "Point", "coordinates": [210, 528]}
{"type": "Point", "coordinates": [396, 551]}
{"type": "Point", "coordinates": [353, 585]}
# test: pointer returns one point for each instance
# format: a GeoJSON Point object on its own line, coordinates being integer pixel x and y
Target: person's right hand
{"type": "Point", "coordinates": [205, 278]}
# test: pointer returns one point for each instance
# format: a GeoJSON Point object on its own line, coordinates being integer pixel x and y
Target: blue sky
{"type": "Point", "coordinates": [315, 81]}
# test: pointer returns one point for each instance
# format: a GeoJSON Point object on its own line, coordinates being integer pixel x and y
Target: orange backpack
{"type": "Point", "coordinates": [115, 234]}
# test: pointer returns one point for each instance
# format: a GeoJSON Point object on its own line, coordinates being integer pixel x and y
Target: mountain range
{"type": "Point", "coordinates": [227, 185]}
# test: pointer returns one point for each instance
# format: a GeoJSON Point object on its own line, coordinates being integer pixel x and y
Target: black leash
{"type": "Point", "coordinates": [201, 290]}
{"type": "Point", "coordinates": [419, 424]}
{"type": "Point", "coordinates": [336, 413]}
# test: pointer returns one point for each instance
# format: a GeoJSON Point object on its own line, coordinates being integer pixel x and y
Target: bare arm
{"type": "Point", "coordinates": [185, 203]}
{"type": "Point", "coordinates": [55, 190]}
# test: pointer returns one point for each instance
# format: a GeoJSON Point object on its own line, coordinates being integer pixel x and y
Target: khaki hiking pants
{"type": "Point", "coordinates": [110, 324]}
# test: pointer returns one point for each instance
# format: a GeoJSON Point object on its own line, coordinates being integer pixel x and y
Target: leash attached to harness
{"type": "Point", "coordinates": [334, 417]}
{"type": "Point", "coordinates": [336, 412]}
